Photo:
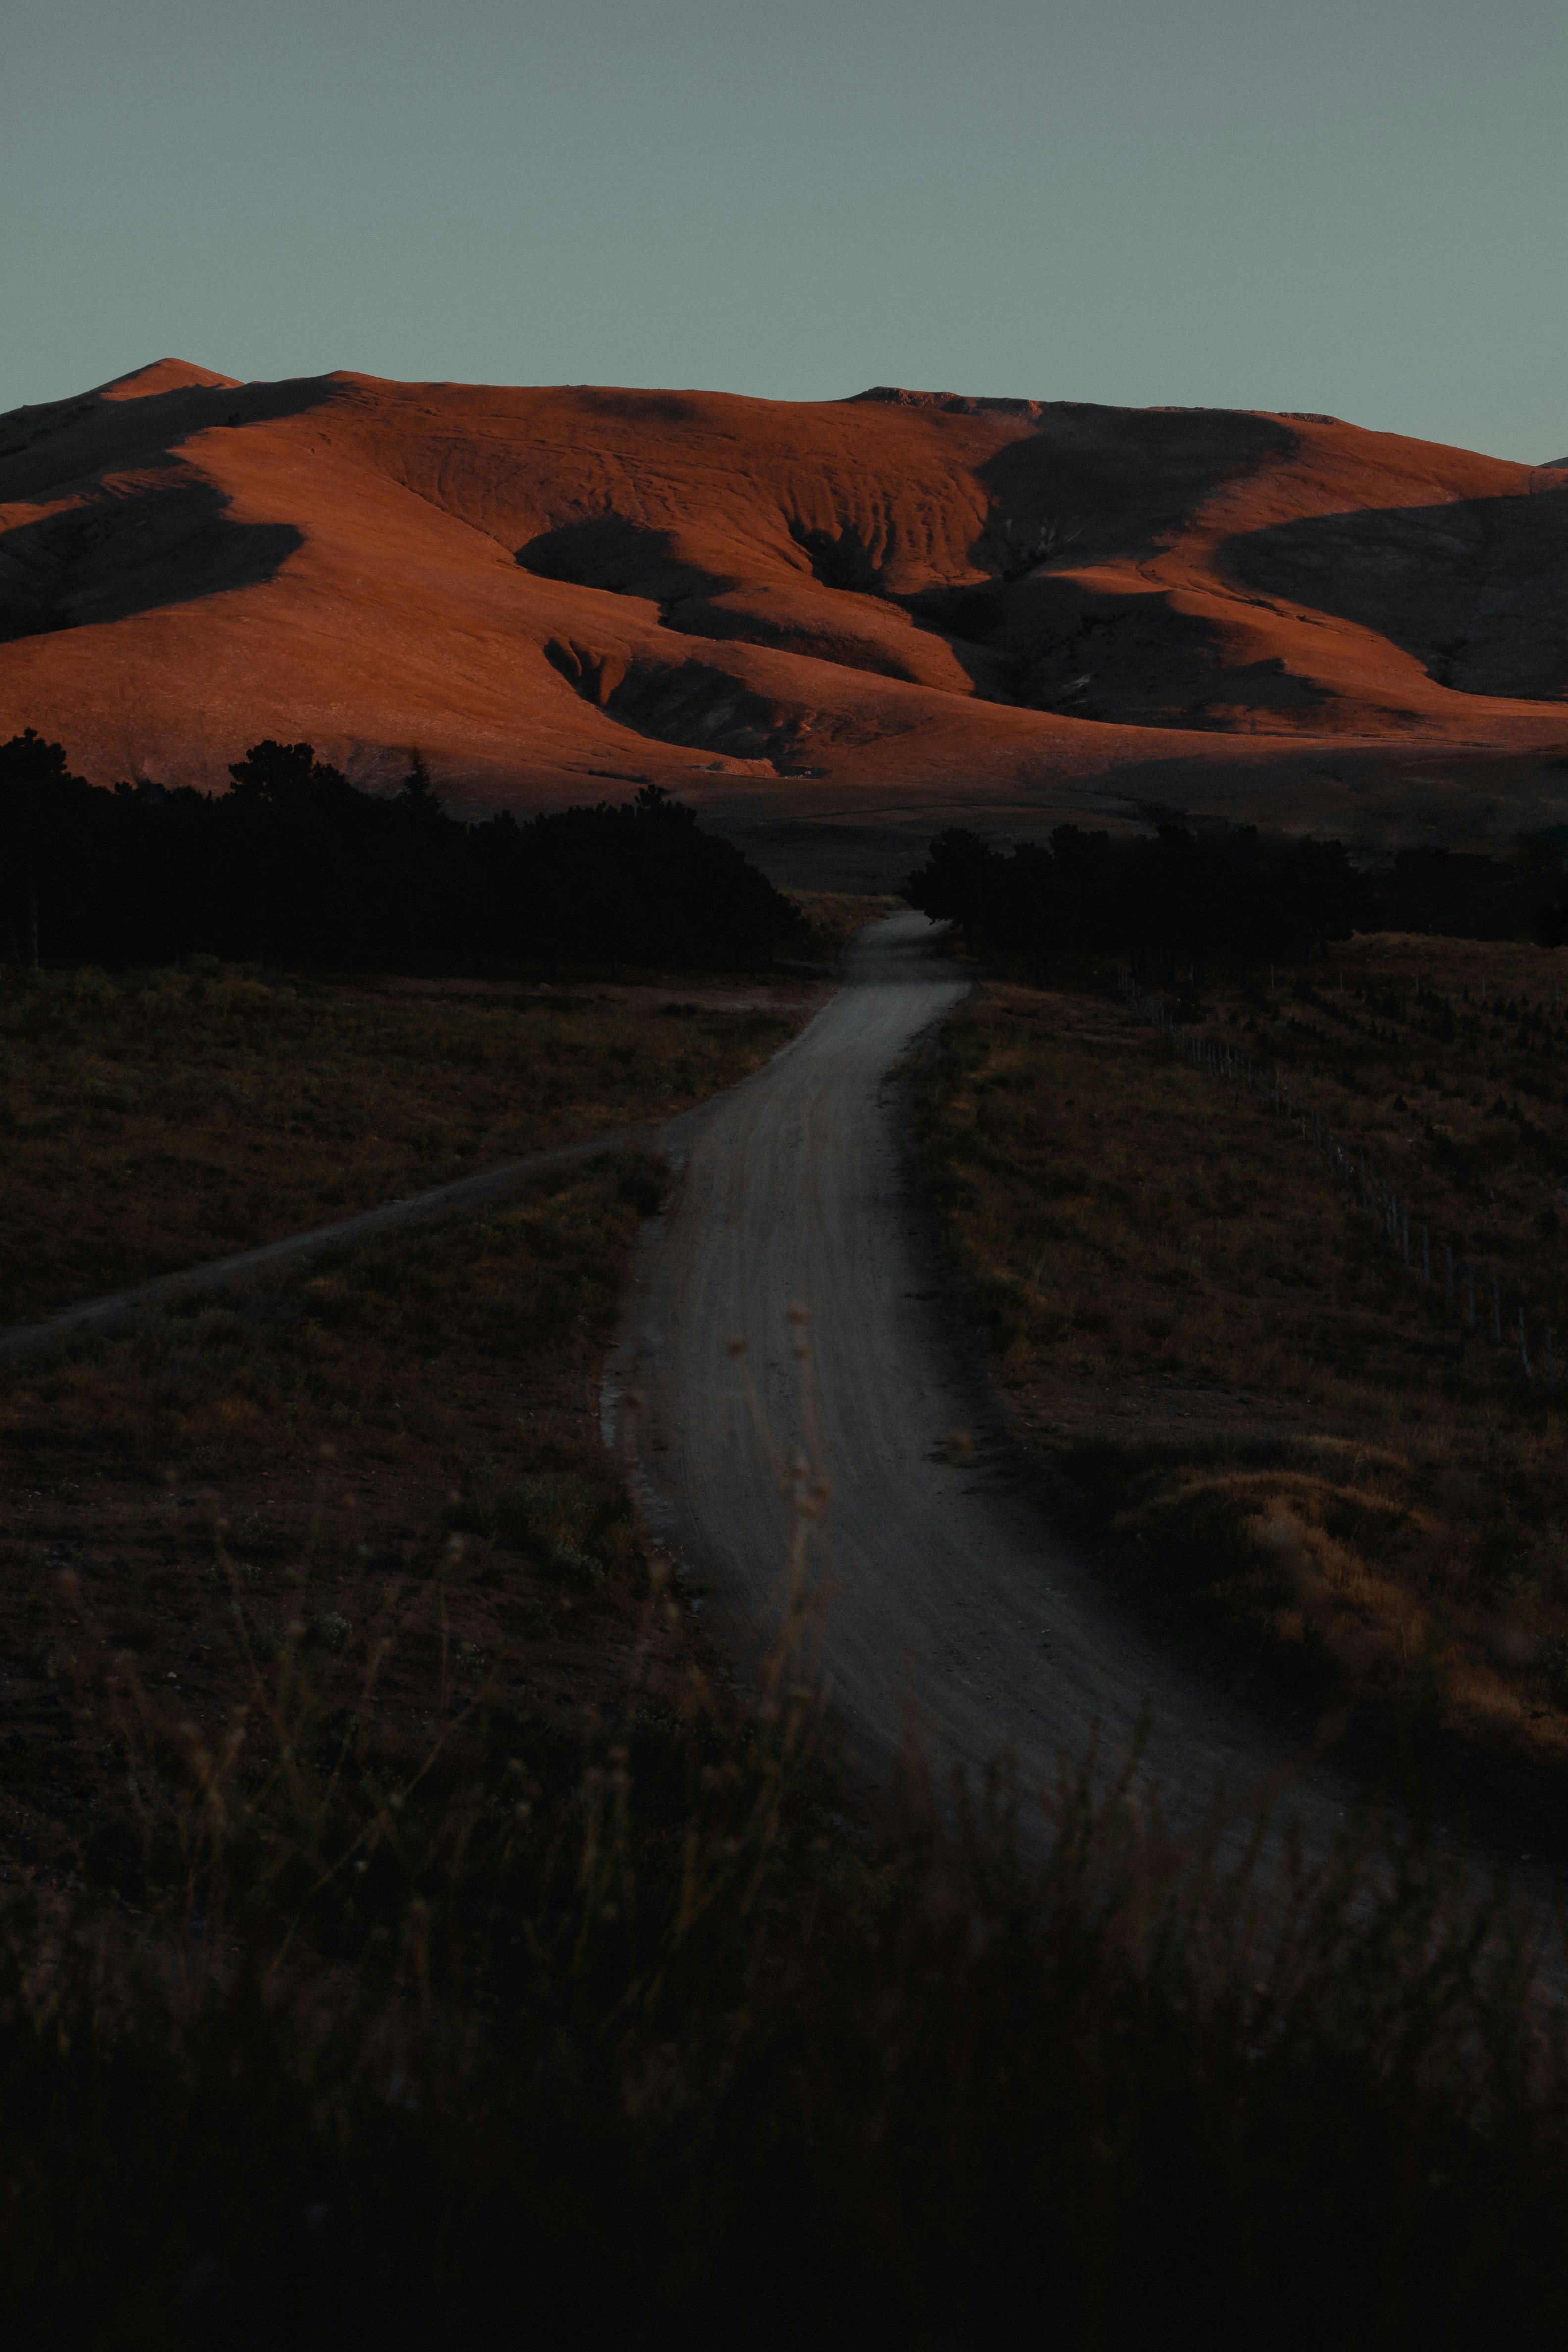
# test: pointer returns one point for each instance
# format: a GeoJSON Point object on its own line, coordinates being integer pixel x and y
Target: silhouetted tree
{"type": "Point", "coordinates": [641, 882]}
{"type": "Point", "coordinates": [296, 863]}
{"type": "Point", "coordinates": [418, 798]}
{"type": "Point", "coordinates": [45, 812]}
{"type": "Point", "coordinates": [961, 881]}
{"type": "Point", "coordinates": [1165, 900]}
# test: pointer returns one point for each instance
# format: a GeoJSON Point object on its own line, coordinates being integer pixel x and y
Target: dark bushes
{"type": "Point", "coordinates": [296, 866]}
{"type": "Point", "coordinates": [1173, 898]}
{"type": "Point", "coordinates": [1179, 898]}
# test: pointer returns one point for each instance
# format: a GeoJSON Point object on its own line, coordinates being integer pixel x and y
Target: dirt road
{"type": "Point", "coordinates": [952, 1599]}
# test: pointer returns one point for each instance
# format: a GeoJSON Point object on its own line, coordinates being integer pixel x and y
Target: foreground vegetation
{"type": "Point", "coordinates": [598, 2024]}
{"type": "Point", "coordinates": [406, 1934]}
{"type": "Point", "coordinates": [1251, 1386]}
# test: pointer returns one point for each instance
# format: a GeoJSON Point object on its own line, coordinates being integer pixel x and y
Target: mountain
{"type": "Point", "coordinates": [882, 611]}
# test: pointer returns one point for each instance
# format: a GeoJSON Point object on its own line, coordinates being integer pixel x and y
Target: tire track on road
{"type": "Point", "coordinates": [953, 1604]}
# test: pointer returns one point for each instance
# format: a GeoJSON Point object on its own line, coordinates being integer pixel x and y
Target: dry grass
{"type": "Point", "coordinates": [630, 2037]}
{"type": "Point", "coordinates": [1189, 1314]}
{"type": "Point", "coordinates": [416, 1937]}
{"type": "Point", "coordinates": [401, 1443]}
{"type": "Point", "coordinates": [403, 1440]}
{"type": "Point", "coordinates": [832, 917]}
{"type": "Point", "coordinates": [155, 1120]}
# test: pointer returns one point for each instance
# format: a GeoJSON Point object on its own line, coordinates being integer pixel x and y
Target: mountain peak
{"type": "Point", "coordinates": [162, 375]}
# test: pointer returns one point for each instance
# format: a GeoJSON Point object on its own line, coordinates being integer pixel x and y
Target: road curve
{"type": "Point", "coordinates": [952, 1603]}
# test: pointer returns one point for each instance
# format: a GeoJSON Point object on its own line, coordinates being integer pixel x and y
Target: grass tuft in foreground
{"type": "Point", "coordinates": [634, 2044]}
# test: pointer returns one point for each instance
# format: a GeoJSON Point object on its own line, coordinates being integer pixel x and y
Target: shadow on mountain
{"type": "Point", "coordinates": [701, 708]}
{"type": "Point", "coordinates": [1090, 485]}
{"type": "Point", "coordinates": [615, 556]}
{"type": "Point", "coordinates": [1094, 484]}
{"type": "Point", "coordinates": [839, 559]}
{"type": "Point", "coordinates": [1078, 645]}
{"type": "Point", "coordinates": [1117, 479]}
{"type": "Point", "coordinates": [623, 558]}
{"type": "Point", "coordinates": [144, 527]}
{"type": "Point", "coordinates": [63, 443]}
{"type": "Point", "coordinates": [1472, 588]}
{"type": "Point", "coordinates": [114, 556]}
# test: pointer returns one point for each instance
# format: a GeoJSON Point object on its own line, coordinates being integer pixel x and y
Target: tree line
{"type": "Point", "coordinates": [296, 865]}
{"type": "Point", "coordinates": [1177, 900]}
{"type": "Point", "coordinates": [1173, 901]}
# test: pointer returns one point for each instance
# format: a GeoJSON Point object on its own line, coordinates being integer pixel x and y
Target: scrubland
{"type": "Point", "coordinates": [1196, 1317]}
{"type": "Point", "coordinates": [407, 1932]}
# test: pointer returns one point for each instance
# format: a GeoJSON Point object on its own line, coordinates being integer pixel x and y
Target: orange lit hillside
{"type": "Point", "coordinates": [869, 610]}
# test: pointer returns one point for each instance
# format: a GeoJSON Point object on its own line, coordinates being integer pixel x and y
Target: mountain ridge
{"type": "Point", "coordinates": [873, 610]}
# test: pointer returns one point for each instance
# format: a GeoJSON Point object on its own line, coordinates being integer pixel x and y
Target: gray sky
{"type": "Point", "coordinates": [1355, 205]}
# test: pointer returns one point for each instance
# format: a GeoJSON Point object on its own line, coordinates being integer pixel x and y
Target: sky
{"type": "Point", "coordinates": [1356, 207]}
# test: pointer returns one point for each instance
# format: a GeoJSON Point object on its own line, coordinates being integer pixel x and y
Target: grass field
{"type": "Point", "coordinates": [330, 1432]}
{"type": "Point", "coordinates": [402, 1929]}
{"type": "Point", "coordinates": [159, 1119]}
{"type": "Point", "coordinates": [405, 1935]}
{"type": "Point", "coordinates": [1194, 1317]}
{"type": "Point", "coordinates": [403, 1440]}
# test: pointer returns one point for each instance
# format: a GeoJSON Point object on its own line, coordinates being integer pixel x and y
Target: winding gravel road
{"type": "Point", "coordinates": [954, 1606]}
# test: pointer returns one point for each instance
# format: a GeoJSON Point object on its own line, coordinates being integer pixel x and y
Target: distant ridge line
{"type": "Point", "coordinates": [958, 403]}
{"type": "Point", "coordinates": [968, 404]}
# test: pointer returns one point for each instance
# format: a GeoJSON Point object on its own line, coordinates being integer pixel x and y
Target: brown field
{"type": "Point", "coordinates": [374, 1834]}
{"type": "Point", "coordinates": [399, 1446]}
{"type": "Point", "coordinates": [248, 1492]}
{"type": "Point", "coordinates": [390, 1890]}
{"type": "Point", "coordinates": [1260, 1401]}
{"type": "Point", "coordinates": [155, 1119]}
